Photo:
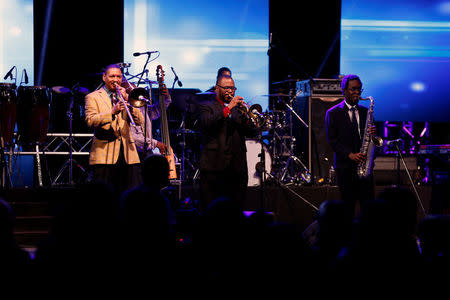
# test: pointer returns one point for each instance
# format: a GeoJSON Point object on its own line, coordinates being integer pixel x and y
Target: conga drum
{"type": "Point", "coordinates": [8, 112]}
{"type": "Point", "coordinates": [33, 112]}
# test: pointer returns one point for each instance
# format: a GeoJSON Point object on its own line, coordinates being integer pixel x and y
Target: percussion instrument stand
{"type": "Point", "coordinates": [6, 175]}
{"type": "Point", "coordinates": [70, 161]}
{"type": "Point", "coordinates": [400, 158]}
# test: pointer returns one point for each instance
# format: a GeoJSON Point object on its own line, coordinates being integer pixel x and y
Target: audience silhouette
{"type": "Point", "coordinates": [131, 241]}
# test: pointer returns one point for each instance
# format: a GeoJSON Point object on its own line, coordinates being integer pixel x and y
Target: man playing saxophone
{"type": "Point", "coordinates": [345, 128]}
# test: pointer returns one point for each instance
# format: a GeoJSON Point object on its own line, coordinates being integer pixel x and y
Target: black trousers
{"type": "Point", "coordinates": [354, 189]}
{"type": "Point", "coordinates": [120, 176]}
{"type": "Point", "coordinates": [227, 183]}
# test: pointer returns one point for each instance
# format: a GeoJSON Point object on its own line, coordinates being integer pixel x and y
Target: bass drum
{"type": "Point", "coordinates": [8, 111]}
{"type": "Point", "coordinates": [253, 158]}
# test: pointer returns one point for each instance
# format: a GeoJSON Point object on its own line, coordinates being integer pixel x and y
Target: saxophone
{"type": "Point", "coordinates": [368, 145]}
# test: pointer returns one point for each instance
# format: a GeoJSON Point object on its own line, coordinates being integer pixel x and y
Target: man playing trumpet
{"type": "Point", "coordinates": [113, 156]}
{"type": "Point", "coordinates": [223, 159]}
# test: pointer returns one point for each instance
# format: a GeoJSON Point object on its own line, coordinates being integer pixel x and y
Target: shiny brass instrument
{"type": "Point", "coordinates": [120, 97]}
{"type": "Point", "coordinates": [136, 95]}
{"type": "Point", "coordinates": [369, 144]}
{"type": "Point", "coordinates": [253, 113]}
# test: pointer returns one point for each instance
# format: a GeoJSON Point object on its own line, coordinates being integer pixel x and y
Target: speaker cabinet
{"type": "Point", "coordinates": [312, 103]}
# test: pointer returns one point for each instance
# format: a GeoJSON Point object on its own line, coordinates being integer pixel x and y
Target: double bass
{"type": "Point", "coordinates": [164, 124]}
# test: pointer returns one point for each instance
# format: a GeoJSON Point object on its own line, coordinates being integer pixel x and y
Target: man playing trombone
{"type": "Point", "coordinates": [113, 157]}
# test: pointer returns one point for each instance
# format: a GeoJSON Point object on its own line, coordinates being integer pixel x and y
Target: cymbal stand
{"type": "Point", "coordinates": [289, 166]}
{"type": "Point", "coordinates": [69, 163]}
{"type": "Point", "coordinates": [182, 131]}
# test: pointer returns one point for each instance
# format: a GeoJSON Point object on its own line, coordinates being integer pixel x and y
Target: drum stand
{"type": "Point", "coordinates": [6, 175]}
{"type": "Point", "coordinates": [69, 163]}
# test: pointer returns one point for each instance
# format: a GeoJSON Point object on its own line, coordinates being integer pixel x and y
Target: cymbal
{"type": "Point", "coordinates": [286, 80]}
{"type": "Point", "coordinates": [276, 95]}
{"type": "Point", "coordinates": [144, 81]}
{"type": "Point", "coordinates": [206, 93]}
{"type": "Point", "coordinates": [81, 90]}
{"type": "Point", "coordinates": [60, 89]}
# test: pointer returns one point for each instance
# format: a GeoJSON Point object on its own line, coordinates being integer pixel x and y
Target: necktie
{"type": "Point", "coordinates": [355, 130]}
{"type": "Point", "coordinates": [113, 99]}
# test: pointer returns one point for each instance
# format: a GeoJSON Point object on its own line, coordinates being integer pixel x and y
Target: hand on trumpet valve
{"type": "Point", "coordinates": [236, 101]}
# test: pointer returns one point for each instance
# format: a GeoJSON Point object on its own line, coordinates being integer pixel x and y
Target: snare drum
{"type": "Point", "coordinates": [8, 111]}
{"type": "Point", "coordinates": [253, 151]}
{"type": "Point", "coordinates": [33, 114]}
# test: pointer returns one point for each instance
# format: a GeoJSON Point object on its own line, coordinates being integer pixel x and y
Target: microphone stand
{"type": "Point", "coordinates": [280, 183]}
{"type": "Point", "coordinates": [400, 158]}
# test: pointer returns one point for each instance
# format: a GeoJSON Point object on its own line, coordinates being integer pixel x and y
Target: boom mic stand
{"type": "Point", "coordinates": [261, 169]}
{"type": "Point", "coordinates": [400, 158]}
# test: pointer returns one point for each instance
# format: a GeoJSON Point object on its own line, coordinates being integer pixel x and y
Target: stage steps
{"type": "Point", "coordinates": [32, 213]}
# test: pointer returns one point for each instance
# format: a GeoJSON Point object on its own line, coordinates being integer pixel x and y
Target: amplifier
{"type": "Point", "coordinates": [386, 171]}
{"type": "Point", "coordinates": [319, 87]}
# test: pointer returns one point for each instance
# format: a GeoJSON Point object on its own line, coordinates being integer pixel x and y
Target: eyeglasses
{"type": "Point", "coordinates": [355, 89]}
{"type": "Point", "coordinates": [228, 87]}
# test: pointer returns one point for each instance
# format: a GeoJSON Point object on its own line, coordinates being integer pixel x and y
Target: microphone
{"type": "Point", "coordinates": [142, 98]}
{"type": "Point", "coordinates": [26, 76]}
{"type": "Point", "coordinates": [388, 143]}
{"type": "Point", "coordinates": [142, 53]}
{"type": "Point", "coordinates": [270, 44]}
{"type": "Point", "coordinates": [9, 74]}
{"type": "Point", "coordinates": [176, 78]}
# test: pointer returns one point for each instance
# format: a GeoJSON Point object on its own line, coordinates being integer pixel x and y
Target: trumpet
{"type": "Point", "coordinates": [253, 113]}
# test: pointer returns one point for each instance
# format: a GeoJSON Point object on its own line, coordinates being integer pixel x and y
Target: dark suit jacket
{"type": "Point", "coordinates": [339, 133]}
{"type": "Point", "coordinates": [222, 139]}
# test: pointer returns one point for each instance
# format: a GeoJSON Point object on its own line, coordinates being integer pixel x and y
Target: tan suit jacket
{"type": "Point", "coordinates": [109, 133]}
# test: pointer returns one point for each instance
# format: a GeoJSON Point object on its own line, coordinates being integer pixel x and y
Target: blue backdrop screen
{"type": "Point", "coordinates": [401, 51]}
{"type": "Point", "coordinates": [197, 38]}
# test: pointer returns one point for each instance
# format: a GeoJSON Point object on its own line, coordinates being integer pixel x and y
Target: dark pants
{"type": "Point", "coordinates": [120, 176]}
{"type": "Point", "coordinates": [226, 183]}
{"type": "Point", "coordinates": [353, 189]}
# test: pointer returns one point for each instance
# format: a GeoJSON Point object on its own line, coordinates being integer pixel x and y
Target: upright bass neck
{"type": "Point", "coordinates": [165, 136]}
